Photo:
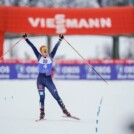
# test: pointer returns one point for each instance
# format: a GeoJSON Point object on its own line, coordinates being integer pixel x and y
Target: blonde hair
{"type": "Point", "coordinates": [43, 46]}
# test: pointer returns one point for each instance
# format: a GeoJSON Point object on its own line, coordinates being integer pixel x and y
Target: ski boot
{"type": "Point", "coordinates": [66, 112]}
{"type": "Point", "coordinates": [42, 114]}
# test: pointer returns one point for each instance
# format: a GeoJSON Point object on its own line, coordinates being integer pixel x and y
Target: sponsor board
{"type": "Point", "coordinates": [18, 71]}
{"type": "Point", "coordinates": [109, 71]}
{"type": "Point", "coordinates": [24, 71]}
{"type": "Point", "coordinates": [83, 71]}
{"type": "Point", "coordinates": [124, 72]}
{"type": "Point", "coordinates": [5, 71]}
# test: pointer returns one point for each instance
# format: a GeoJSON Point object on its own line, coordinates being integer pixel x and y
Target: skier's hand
{"type": "Point", "coordinates": [61, 37]}
{"type": "Point", "coordinates": [24, 35]}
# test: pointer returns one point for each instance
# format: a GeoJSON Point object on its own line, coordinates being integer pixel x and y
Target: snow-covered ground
{"type": "Point", "coordinates": [103, 109]}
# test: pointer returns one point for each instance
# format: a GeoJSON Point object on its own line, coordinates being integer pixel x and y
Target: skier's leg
{"type": "Point", "coordinates": [51, 87]}
{"type": "Point", "coordinates": [41, 91]}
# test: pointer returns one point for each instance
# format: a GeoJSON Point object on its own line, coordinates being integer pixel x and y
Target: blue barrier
{"type": "Point", "coordinates": [69, 71]}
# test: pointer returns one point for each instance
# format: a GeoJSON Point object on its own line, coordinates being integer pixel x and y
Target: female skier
{"type": "Point", "coordinates": [44, 78]}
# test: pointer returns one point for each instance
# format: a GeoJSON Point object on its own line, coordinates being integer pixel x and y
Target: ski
{"type": "Point", "coordinates": [40, 120]}
{"type": "Point", "coordinates": [73, 117]}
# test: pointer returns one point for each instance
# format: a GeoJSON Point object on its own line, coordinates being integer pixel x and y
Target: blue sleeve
{"type": "Point", "coordinates": [52, 54]}
{"type": "Point", "coordinates": [38, 55]}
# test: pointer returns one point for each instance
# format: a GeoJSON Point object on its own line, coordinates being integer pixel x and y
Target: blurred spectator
{"type": "Point", "coordinates": [130, 50]}
{"type": "Point", "coordinates": [100, 3]}
{"type": "Point", "coordinates": [105, 3]}
{"type": "Point", "coordinates": [67, 3]}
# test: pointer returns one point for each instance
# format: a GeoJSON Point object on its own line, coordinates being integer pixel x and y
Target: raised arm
{"type": "Point", "coordinates": [53, 52]}
{"type": "Point", "coordinates": [38, 55]}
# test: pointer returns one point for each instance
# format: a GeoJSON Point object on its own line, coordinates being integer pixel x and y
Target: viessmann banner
{"type": "Point", "coordinates": [69, 71]}
{"type": "Point", "coordinates": [67, 20]}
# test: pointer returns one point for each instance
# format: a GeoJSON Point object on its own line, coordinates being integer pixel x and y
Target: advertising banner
{"type": "Point", "coordinates": [83, 71]}
{"type": "Point", "coordinates": [5, 70]}
{"type": "Point", "coordinates": [69, 71]}
{"type": "Point", "coordinates": [18, 71]}
{"type": "Point", "coordinates": [67, 21]}
{"type": "Point", "coordinates": [124, 72]}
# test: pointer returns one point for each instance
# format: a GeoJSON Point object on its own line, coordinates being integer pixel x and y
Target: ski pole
{"type": "Point", "coordinates": [11, 48]}
{"type": "Point", "coordinates": [86, 61]}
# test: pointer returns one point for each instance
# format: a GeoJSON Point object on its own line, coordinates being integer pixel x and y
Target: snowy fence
{"type": "Point", "coordinates": [108, 69]}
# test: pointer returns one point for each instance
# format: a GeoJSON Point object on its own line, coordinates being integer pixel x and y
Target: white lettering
{"type": "Point", "coordinates": [83, 23]}
{"type": "Point", "coordinates": [42, 22]}
{"type": "Point", "coordinates": [34, 22]}
{"type": "Point", "coordinates": [105, 22]}
{"type": "Point", "coordinates": [61, 23]}
{"type": "Point", "coordinates": [60, 18]}
{"type": "Point", "coordinates": [32, 69]}
{"type": "Point", "coordinates": [103, 69]}
{"type": "Point", "coordinates": [4, 69]}
{"type": "Point", "coordinates": [50, 23]}
{"type": "Point", "coordinates": [70, 69]}
{"type": "Point", "coordinates": [4, 76]}
{"type": "Point", "coordinates": [129, 69]}
{"type": "Point", "coordinates": [71, 23]}
{"type": "Point", "coordinates": [94, 23]}
{"type": "Point", "coordinates": [120, 69]}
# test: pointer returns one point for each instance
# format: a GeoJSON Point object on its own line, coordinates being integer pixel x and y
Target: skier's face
{"type": "Point", "coordinates": [44, 51]}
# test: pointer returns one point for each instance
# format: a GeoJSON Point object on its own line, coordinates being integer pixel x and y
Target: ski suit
{"type": "Point", "coordinates": [44, 78]}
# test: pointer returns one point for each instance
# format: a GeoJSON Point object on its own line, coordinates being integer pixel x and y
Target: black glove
{"type": "Point", "coordinates": [61, 37]}
{"type": "Point", "coordinates": [24, 35]}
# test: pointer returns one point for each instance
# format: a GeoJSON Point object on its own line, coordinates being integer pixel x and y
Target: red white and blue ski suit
{"type": "Point", "coordinates": [44, 78]}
